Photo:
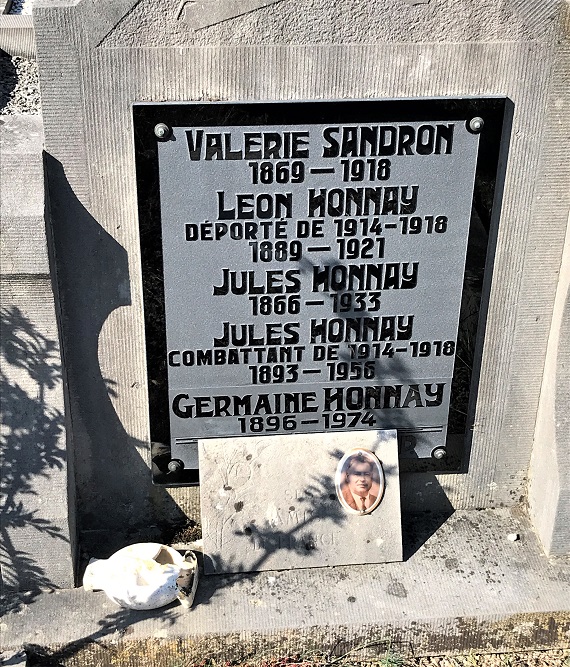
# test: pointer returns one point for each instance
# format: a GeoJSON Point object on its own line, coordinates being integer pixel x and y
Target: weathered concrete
{"type": "Point", "coordinates": [96, 60]}
{"type": "Point", "coordinates": [464, 588]}
{"type": "Point", "coordinates": [22, 220]}
{"type": "Point", "coordinates": [549, 487]}
{"type": "Point", "coordinates": [468, 586]}
{"type": "Point", "coordinates": [17, 36]}
{"type": "Point", "coordinates": [37, 520]}
{"type": "Point", "coordinates": [264, 511]}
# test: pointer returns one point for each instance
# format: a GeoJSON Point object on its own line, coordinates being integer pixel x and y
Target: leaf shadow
{"type": "Point", "coordinates": [32, 445]}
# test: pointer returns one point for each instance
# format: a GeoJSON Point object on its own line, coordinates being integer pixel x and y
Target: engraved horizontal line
{"type": "Point", "coordinates": [390, 225]}
{"type": "Point", "coordinates": [308, 371]}
{"type": "Point", "coordinates": [319, 248]}
{"type": "Point", "coordinates": [317, 170]}
{"type": "Point", "coordinates": [26, 276]}
{"type": "Point", "coordinates": [314, 303]}
{"type": "Point", "coordinates": [421, 429]}
{"type": "Point", "coordinates": [401, 349]}
{"type": "Point", "coordinates": [310, 421]}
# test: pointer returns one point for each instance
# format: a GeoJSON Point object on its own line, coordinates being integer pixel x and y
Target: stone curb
{"type": "Point", "coordinates": [17, 37]}
{"type": "Point", "coordinates": [468, 587]}
{"type": "Point", "coordinates": [22, 224]}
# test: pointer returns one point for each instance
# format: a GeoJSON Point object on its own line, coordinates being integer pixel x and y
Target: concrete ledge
{"type": "Point", "coordinates": [467, 587]}
{"type": "Point", "coordinates": [17, 35]}
{"type": "Point", "coordinates": [36, 521]}
{"type": "Point", "coordinates": [22, 223]}
{"type": "Point", "coordinates": [549, 487]}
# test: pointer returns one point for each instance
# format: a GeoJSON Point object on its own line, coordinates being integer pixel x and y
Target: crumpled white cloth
{"type": "Point", "coordinates": [144, 576]}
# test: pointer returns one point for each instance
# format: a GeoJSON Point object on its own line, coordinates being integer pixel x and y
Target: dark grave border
{"type": "Point", "coordinates": [490, 169]}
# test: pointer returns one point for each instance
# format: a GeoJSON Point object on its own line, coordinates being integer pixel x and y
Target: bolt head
{"type": "Point", "coordinates": [476, 124]}
{"type": "Point", "coordinates": [175, 466]}
{"type": "Point", "coordinates": [439, 453]}
{"type": "Point", "coordinates": [161, 130]}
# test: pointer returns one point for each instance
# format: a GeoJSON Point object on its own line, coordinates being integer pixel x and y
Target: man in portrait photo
{"type": "Point", "coordinates": [356, 491]}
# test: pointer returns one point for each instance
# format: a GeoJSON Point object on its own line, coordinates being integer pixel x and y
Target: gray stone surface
{"type": "Point", "coordinates": [17, 35]}
{"type": "Point", "coordinates": [209, 12]}
{"type": "Point", "coordinates": [22, 221]}
{"type": "Point", "coordinates": [466, 586]}
{"type": "Point", "coordinates": [202, 317]}
{"type": "Point", "coordinates": [37, 522]}
{"type": "Point", "coordinates": [270, 503]}
{"type": "Point", "coordinates": [549, 484]}
{"type": "Point", "coordinates": [318, 51]}
{"type": "Point", "coordinates": [298, 22]}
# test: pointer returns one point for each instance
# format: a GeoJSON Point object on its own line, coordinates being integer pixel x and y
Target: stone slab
{"type": "Point", "coordinates": [209, 12]}
{"type": "Point", "coordinates": [17, 35]}
{"type": "Point", "coordinates": [22, 134]}
{"type": "Point", "coordinates": [22, 186]}
{"type": "Point", "coordinates": [37, 518]}
{"type": "Point", "coordinates": [271, 503]}
{"type": "Point", "coordinates": [322, 50]}
{"type": "Point", "coordinates": [464, 587]}
{"type": "Point", "coordinates": [23, 245]}
{"type": "Point", "coordinates": [326, 22]}
{"type": "Point", "coordinates": [22, 224]}
{"type": "Point", "coordinates": [549, 476]}
{"type": "Point", "coordinates": [314, 262]}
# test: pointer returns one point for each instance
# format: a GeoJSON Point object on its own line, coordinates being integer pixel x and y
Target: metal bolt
{"type": "Point", "coordinates": [161, 130]}
{"type": "Point", "coordinates": [476, 124]}
{"type": "Point", "coordinates": [175, 466]}
{"type": "Point", "coordinates": [439, 453]}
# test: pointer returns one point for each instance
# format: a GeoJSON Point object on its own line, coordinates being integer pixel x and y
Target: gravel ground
{"type": "Point", "coordinates": [19, 89]}
{"type": "Point", "coordinates": [555, 658]}
{"type": "Point", "coordinates": [21, 6]}
{"type": "Point", "coordinates": [168, 653]}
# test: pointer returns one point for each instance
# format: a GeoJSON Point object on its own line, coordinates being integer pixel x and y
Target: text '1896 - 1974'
{"type": "Point", "coordinates": [303, 268]}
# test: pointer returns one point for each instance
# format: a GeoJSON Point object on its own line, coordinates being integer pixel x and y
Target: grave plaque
{"type": "Point", "coordinates": [262, 510]}
{"type": "Point", "coordinates": [311, 264]}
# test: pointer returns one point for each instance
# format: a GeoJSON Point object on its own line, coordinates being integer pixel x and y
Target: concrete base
{"type": "Point", "coordinates": [467, 587]}
{"type": "Point", "coordinates": [17, 36]}
{"type": "Point", "coordinates": [37, 524]}
{"type": "Point", "coordinates": [549, 475]}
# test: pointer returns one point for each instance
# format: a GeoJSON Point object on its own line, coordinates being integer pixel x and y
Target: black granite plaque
{"type": "Point", "coordinates": [306, 262]}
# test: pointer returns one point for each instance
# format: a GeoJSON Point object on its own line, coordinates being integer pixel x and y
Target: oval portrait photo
{"type": "Point", "coordinates": [359, 481]}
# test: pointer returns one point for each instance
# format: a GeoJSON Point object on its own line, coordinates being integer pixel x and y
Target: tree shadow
{"type": "Point", "coordinates": [91, 273]}
{"type": "Point", "coordinates": [317, 502]}
{"type": "Point", "coordinates": [8, 79]}
{"type": "Point", "coordinates": [31, 441]}
{"type": "Point", "coordinates": [117, 503]}
{"type": "Point", "coordinates": [114, 625]}
{"type": "Point", "coordinates": [118, 624]}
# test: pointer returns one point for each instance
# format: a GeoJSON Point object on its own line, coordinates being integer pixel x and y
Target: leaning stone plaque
{"type": "Point", "coordinates": [304, 500]}
{"type": "Point", "coordinates": [306, 265]}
